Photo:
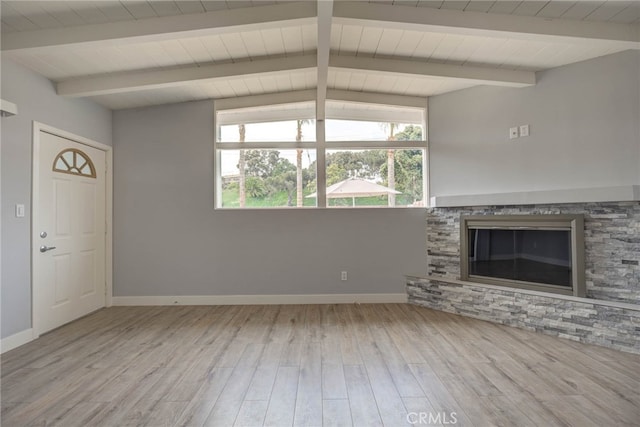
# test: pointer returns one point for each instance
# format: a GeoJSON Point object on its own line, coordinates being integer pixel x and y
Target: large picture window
{"type": "Point", "coordinates": [361, 156]}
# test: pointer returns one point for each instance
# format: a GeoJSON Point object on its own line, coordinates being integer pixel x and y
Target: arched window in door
{"type": "Point", "coordinates": [74, 162]}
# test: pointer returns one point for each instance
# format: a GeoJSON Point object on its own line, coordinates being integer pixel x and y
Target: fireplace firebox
{"type": "Point", "coordinates": [535, 252]}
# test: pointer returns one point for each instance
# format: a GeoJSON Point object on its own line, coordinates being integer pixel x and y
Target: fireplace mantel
{"type": "Point", "coordinates": [622, 193]}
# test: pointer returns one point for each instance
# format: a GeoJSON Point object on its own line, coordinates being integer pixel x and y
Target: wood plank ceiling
{"type": "Point", "coordinates": [127, 54]}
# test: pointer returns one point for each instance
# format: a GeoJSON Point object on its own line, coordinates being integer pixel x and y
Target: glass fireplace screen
{"type": "Point", "coordinates": [527, 255]}
{"type": "Point", "coordinates": [542, 252]}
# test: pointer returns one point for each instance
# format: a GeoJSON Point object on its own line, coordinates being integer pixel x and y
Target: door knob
{"type": "Point", "coordinates": [44, 248]}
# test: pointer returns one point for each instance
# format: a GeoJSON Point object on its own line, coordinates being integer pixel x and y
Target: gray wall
{"type": "Point", "coordinates": [169, 240]}
{"type": "Point", "coordinates": [585, 131]}
{"type": "Point", "coordinates": [36, 100]}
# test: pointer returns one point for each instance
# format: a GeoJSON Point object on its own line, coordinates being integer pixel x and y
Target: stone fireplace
{"type": "Point", "coordinates": [608, 314]}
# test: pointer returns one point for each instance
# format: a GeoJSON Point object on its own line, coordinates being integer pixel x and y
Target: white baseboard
{"type": "Point", "coordinates": [16, 340]}
{"type": "Point", "coordinates": [260, 299]}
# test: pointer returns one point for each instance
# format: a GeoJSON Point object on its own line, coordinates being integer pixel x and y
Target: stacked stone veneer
{"type": "Point", "coordinates": [587, 322]}
{"type": "Point", "coordinates": [612, 263]}
{"type": "Point", "coordinates": [612, 243]}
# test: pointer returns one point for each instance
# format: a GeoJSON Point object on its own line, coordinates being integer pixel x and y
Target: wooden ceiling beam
{"type": "Point", "coordinates": [106, 84]}
{"type": "Point", "coordinates": [325, 11]}
{"type": "Point", "coordinates": [479, 75]}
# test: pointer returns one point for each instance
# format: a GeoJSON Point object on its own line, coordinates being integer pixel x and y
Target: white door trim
{"type": "Point", "coordinates": [35, 212]}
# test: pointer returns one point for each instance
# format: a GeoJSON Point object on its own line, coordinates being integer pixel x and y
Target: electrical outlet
{"type": "Point", "coordinates": [524, 130]}
{"type": "Point", "coordinates": [513, 133]}
{"type": "Point", "coordinates": [343, 276]}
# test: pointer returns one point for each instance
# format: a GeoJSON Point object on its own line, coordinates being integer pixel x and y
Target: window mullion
{"type": "Point", "coordinates": [426, 191]}
{"type": "Point", "coordinates": [321, 163]}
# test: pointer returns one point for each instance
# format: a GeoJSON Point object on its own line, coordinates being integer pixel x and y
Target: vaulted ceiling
{"type": "Point", "coordinates": [135, 53]}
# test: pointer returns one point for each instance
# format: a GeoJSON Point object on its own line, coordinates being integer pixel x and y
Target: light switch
{"type": "Point", "coordinates": [524, 130]}
{"type": "Point", "coordinates": [19, 211]}
{"type": "Point", "coordinates": [513, 133]}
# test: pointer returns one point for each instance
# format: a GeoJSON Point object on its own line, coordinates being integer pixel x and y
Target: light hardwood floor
{"type": "Point", "coordinates": [311, 365]}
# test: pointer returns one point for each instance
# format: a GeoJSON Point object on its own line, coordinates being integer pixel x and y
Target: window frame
{"type": "Point", "coordinates": [320, 145]}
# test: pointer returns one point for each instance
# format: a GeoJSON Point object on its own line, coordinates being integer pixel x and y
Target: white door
{"type": "Point", "coordinates": [69, 241]}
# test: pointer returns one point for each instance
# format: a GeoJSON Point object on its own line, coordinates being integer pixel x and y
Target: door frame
{"type": "Point", "coordinates": [35, 214]}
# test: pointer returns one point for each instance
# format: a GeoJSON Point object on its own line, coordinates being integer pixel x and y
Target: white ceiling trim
{"type": "Point", "coordinates": [348, 112]}
{"type": "Point", "coordinates": [297, 96]}
{"type": "Point", "coordinates": [235, 117]}
{"type": "Point", "coordinates": [625, 36]}
{"type": "Point", "coordinates": [164, 28]}
{"type": "Point", "coordinates": [325, 12]}
{"type": "Point", "coordinates": [376, 98]}
{"type": "Point", "coordinates": [145, 79]}
{"type": "Point", "coordinates": [480, 75]}
{"type": "Point", "coordinates": [390, 115]}
{"type": "Point", "coordinates": [265, 99]}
